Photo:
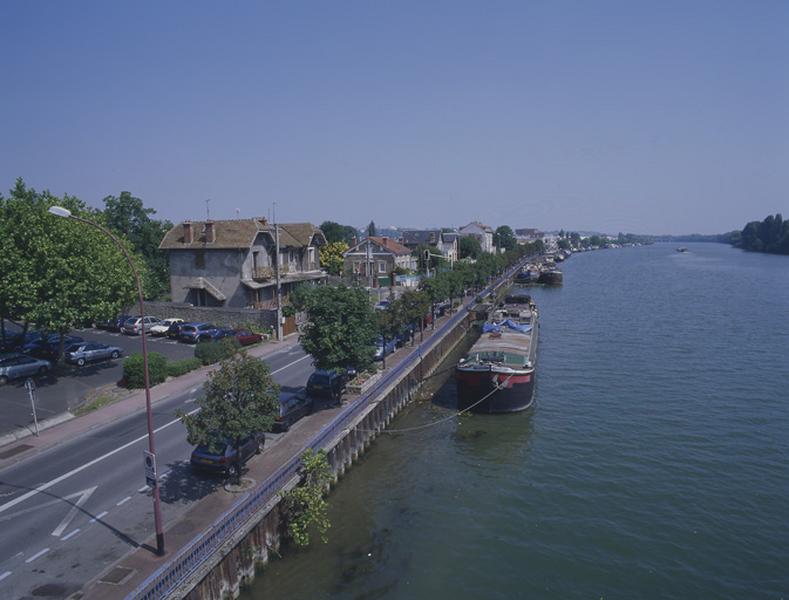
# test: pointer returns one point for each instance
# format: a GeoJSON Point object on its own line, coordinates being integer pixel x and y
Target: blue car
{"type": "Point", "coordinates": [191, 333]}
{"type": "Point", "coordinates": [382, 350]}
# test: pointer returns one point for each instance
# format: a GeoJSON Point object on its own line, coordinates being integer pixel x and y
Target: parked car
{"type": "Point", "coordinates": [162, 327]}
{"type": "Point", "coordinates": [329, 384]}
{"type": "Point", "coordinates": [113, 324]}
{"type": "Point", "coordinates": [80, 354]}
{"type": "Point", "coordinates": [191, 333]}
{"type": "Point", "coordinates": [291, 409]}
{"type": "Point", "coordinates": [404, 336]}
{"type": "Point", "coordinates": [246, 337]}
{"type": "Point", "coordinates": [15, 365]}
{"type": "Point", "coordinates": [47, 348]}
{"type": "Point", "coordinates": [382, 305]}
{"type": "Point", "coordinates": [382, 349]}
{"type": "Point", "coordinates": [222, 460]}
{"type": "Point", "coordinates": [135, 325]}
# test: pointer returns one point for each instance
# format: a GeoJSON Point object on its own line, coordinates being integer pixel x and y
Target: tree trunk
{"type": "Point", "coordinates": [61, 343]}
{"type": "Point", "coordinates": [2, 330]}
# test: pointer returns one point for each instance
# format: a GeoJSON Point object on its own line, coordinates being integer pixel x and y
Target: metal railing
{"type": "Point", "coordinates": [191, 556]}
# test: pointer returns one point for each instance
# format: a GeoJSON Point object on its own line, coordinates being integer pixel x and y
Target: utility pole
{"type": "Point", "coordinates": [279, 287]}
{"type": "Point", "coordinates": [31, 386]}
{"type": "Point", "coordinates": [369, 263]}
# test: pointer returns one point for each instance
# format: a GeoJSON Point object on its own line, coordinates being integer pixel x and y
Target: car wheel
{"type": "Point", "coordinates": [232, 471]}
{"type": "Point", "coordinates": [80, 362]}
{"type": "Point", "coordinates": [3, 379]}
{"type": "Point", "coordinates": [114, 354]}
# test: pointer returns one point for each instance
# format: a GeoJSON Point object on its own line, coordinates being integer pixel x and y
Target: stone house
{"type": "Point", "coordinates": [445, 242]}
{"type": "Point", "coordinates": [232, 263]}
{"type": "Point", "coordinates": [374, 261]}
{"type": "Point", "coordinates": [483, 233]}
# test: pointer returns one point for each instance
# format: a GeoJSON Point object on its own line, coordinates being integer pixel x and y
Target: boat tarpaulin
{"type": "Point", "coordinates": [508, 323]}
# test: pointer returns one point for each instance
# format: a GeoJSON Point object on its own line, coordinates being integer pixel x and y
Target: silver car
{"type": "Point", "coordinates": [80, 354]}
{"type": "Point", "coordinates": [15, 366]}
{"type": "Point", "coordinates": [134, 325]}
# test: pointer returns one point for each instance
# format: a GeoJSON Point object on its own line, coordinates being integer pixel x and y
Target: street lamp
{"type": "Point", "coordinates": [59, 211]}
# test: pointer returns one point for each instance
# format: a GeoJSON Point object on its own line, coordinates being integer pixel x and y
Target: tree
{"type": "Point", "coordinates": [469, 247]}
{"type": "Point", "coordinates": [305, 504]}
{"type": "Point", "coordinates": [58, 273]}
{"type": "Point", "coordinates": [371, 228]}
{"type": "Point", "coordinates": [505, 238]}
{"type": "Point", "coordinates": [241, 399]}
{"type": "Point", "coordinates": [341, 327]}
{"type": "Point", "coordinates": [127, 216]}
{"type": "Point", "coordinates": [433, 262]}
{"type": "Point", "coordinates": [334, 232]}
{"type": "Point", "coordinates": [563, 244]}
{"type": "Point", "coordinates": [332, 257]}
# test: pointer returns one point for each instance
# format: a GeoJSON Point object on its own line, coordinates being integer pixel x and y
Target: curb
{"type": "Point", "coordinates": [23, 432]}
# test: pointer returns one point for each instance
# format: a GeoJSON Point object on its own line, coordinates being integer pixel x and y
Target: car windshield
{"type": "Point", "coordinates": [72, 348]}
{"type": "Point", "coordinates": [320, 379]}
{"type": "Point", "coordinates": [188, 328]}
{"type": "Point", "coordinates": [204, 327]}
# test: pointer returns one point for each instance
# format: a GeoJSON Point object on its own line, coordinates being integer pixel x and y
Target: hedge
{"type": "Point", "coordinates": [133, 371]}
{"type": "Point", "coordinates": [177, 368]}
{"type": "Point", "coordinates": [212, 352]}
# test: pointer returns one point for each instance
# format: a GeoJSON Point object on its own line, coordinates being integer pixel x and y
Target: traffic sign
{"type": "Point", "coordinates": [150, 468]}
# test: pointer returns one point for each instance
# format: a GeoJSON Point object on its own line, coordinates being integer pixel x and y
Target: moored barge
{"type": "Point", "coordinates": [499, 372]}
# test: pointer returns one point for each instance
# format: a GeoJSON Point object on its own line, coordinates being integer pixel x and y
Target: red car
{"type": "Point", "coordinates": [246, 338]}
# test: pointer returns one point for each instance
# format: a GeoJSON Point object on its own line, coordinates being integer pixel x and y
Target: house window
{"type": "Point", "coordinates": [311, 259]}
{"type": "Point", "coordinates": [357, 267]}
{"type": "Point", "coordinates": [200, 259]}
{"type": "Point", "coordinates": [255, 263]}
{"type": "Point", "coordinates": [381, 266]}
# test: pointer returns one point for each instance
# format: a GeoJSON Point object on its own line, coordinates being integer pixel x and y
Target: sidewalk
{"type": "Point", "coordinates": [141, 563]}
{"type": "Point", "coordinates": [67, 428]}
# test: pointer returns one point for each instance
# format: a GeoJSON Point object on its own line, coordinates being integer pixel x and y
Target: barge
{"type": "Point", "coordinates": [498, 374]}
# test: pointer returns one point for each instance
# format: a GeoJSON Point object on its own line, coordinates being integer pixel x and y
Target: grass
{"type": "Point", "coordinates": [97, 399]}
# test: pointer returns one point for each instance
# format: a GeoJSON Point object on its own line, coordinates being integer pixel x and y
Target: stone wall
{"type": "Point", "coordinates": [218, 315]}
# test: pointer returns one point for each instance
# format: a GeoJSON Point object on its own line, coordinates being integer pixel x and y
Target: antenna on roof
{"type": "Point", "coordinates": [207, 210]}
{"type": "Point", "coordinates": [238, 213]}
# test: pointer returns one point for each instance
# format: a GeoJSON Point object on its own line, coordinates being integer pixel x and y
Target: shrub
{"type": "Point", "coordinates": [177, 368]}
{"type": "Point", "coordinates": [209, 353]}
{"type": "Point", "coordinates": [133, 371]}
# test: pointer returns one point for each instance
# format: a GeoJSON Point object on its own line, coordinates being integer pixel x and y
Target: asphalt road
{"type": "Point", "coordinates": [58, 393]}
{"type": "Point", "coordinates": [70, 512]}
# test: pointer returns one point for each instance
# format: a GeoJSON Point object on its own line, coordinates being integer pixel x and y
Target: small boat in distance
{"type": "Point", "coordinates": [682, 249]}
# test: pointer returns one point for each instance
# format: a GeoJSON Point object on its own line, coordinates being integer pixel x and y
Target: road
{"type": "Point", "coordinates": [70, 512]}
{"type": "Point", "coordinates": [57, 394]}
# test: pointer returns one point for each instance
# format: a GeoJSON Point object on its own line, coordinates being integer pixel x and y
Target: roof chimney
{"type": "Point", "coordinates": [210, 233]}
{"type": "Point", "coordinates": [188, 236]}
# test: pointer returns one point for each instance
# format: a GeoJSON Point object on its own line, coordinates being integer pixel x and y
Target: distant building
{"type": "Point", "coordinates": [445, 242]}
{"type": "Point", "coordinates": [527, 235]}
{"type": "Point", "coordinates": [375, 260]}
{"type": "Point", "coordinates": [483, 233]}
{"type": "Point", "coordinates": [232, 263]}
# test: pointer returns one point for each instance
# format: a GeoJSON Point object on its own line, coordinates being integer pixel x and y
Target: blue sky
{"type": "Point", "coordinates": [654, 117]}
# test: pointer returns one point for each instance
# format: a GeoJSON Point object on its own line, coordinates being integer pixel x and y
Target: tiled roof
{"type": "Point", "coordinates": [391, 245]}
{"type": "Point", "coordinates": [421, 236]}
{"type": "Point", "coordinates": [240, 233]}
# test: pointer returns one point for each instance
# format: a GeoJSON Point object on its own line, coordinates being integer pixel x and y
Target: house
{"type": "Point", "coordinates": [232, 263]}
{"type": "Point", "coordinates": [375, 260]}
{"type": "Point", "coordinates": [445, 242]}
{"type": "Point", "coordinates": [483, 233]}
{"type": "Point", "coordinates": [526, 235]}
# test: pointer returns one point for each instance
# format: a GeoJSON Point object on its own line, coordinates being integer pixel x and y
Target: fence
{"type": "Point", "coordinates": [191, 556]}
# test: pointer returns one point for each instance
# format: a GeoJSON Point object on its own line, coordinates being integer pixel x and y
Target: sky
{"type": "Point", "coordinates": [646, 117]}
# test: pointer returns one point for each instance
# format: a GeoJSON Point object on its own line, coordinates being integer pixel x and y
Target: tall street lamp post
{"type": "Point", "coordinates": [59, 211]}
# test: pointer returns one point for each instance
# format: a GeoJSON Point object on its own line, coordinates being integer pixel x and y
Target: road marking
{"type": "Point", "coordinates": [87, 465]}
{"type": "Point", "coordinates": [70, 535]}
{"type": "Point", "coordinates": [4, 575]}
{"type": "Point", "coordinates": [143, 489]}
{"type": "Point", "coordinates": [190, 400]}
{"type": "Point", "coordinates": [164, 475]}
{"type": "Point", "coordinates": [84, 495]}
{"type": "Point", "coordinates": [38, 554]}
{"type": "Point", "coordinates": [124, 501]}
{"type": "Point", "coordinates": [194, 390]}
{"type": "Point", "coordinates": [98, 516]}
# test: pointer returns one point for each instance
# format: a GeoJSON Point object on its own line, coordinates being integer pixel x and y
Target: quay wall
{"type": "Point", "coordinates": [218, 562]}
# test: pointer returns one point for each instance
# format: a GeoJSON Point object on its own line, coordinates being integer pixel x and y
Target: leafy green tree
{"type": "Point", "coordinates": [469, 247]}
{"type": "Point", "coordinates": [332, 257]}
{"type": "Point", "coordinates": [341, 327]}
{"type": "Point", "coordinates": [305, 505]}
{"type": "Point", "coordinates": [505, 238]}
{"type": "Point", "coordinates": [564, 244]}
{"type": "Point", "coordinates": [58, 273]}
{"type": "Point", "coordinates": [241, 399]}
{"type": "Point", "coordinates": [371, 228]}
{"type": "Point", "coordinates": [434, 262]}
{"type": "Point", "coordinates": [334, 232]}
{"type": "Point", "coordinates": [127, 216]}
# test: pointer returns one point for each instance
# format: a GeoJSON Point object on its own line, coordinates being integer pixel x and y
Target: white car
{"type": "Point", "coordinates": [162, 326]}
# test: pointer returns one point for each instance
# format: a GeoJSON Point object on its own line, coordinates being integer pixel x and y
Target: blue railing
{"type": "Point", "coordinates": [191, 556]}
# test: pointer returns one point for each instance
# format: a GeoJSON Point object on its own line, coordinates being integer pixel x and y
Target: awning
{"type": "Point", "coordinates": [201, 283]}
{"type": "Point", "coordinates": [254, 285]}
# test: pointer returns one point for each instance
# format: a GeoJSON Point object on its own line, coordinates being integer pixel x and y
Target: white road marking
{"type": "Point", "coordinates": [70, 535]}
{"type": "Point", "coordinates": [98, 516]}
{"type": "Point", "coordinates": [87, 465]}
{"type": "Point", "coordinates": [38, 507]}
{"type": "Point", "coordinates": [4, 575]}
{"type": "Point", "coordinates": [84, 495]}
{"type": "Point", "coordinates": [194, 390]}
{"type": "Point", "coordinates": [164, 475]}
{"type": "Point", "coordinates": [38, 554]}
{"type": "Point", "coordinates": [124, 501]}
{"type": "Point", "coordinates": [190, 400]}
{"type": "Point", "coordinates": [143, 489]}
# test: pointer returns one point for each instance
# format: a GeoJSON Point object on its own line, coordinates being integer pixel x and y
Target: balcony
{"type": "Point", "coordinates": [263, 273]}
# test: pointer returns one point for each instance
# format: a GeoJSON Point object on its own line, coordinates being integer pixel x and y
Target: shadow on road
{"type": "Point", "coordinates": [185, 485]}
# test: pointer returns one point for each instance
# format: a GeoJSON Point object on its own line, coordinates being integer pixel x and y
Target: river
{"type": "Point", "coordinates": [655, 463]}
